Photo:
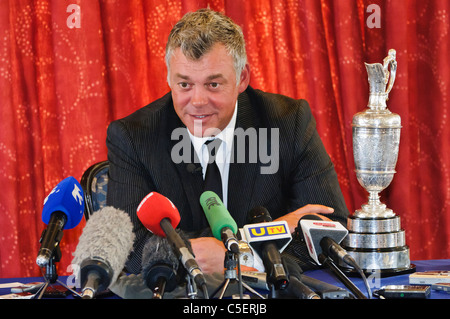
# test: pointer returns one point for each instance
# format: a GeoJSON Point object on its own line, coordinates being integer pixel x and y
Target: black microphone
{"type": "Point", "coordinates": [306, 287]}
{"type": "Point", "coordinates": [325, 290]}
{"type": "Point", "coordinates": [296, 287]}
{"type": "Point", "coordinates": [322, 239]}
{"type": "Point", "coordinates": [193, 168]}
{"type": "Point", "coordinates": [103, 249]}
{"type": "Point", "coordinates": [159, 266]}
{"type": "Point", "coordinates": [63, 209]}
{"type": "Point", "coordinates": [335, 251]}
{"type": "Point", "coordinates": [266, 238]}
{"type": "Point", "coordinates": [301, 291]}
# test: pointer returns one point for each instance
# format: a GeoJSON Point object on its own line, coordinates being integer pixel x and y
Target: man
{"type": "Point", "coordinates": [210, 95]}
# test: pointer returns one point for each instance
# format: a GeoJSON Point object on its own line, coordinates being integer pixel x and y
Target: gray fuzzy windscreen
{"type": "Point", "coordinates": [108, 235]}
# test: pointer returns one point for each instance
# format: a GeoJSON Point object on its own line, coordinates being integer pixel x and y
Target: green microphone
{"type": "Point", "coordinates": [222, 224]}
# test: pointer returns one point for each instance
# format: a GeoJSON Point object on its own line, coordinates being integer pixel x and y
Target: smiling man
{"type": "Point", "coordinates": [205, 91]}
{"type": "Point", "coordinates": [210, 97]}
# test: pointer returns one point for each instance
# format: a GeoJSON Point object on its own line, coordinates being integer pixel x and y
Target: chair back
{"type": "Point", "coordinates": [95, 185]}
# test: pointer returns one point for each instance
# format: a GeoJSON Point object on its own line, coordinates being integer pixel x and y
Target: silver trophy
{"type": "Point", "coordinates": [375, 239]}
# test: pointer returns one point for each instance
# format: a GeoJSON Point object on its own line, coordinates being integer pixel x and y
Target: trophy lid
{"type": "Point", "coordinates": [381, 79]}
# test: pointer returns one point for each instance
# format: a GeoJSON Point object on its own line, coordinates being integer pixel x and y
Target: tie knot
{"type": "Point", "coordinates": [213, 145]}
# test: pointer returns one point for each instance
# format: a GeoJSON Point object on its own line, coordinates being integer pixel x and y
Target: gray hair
{"type": "Point", "coordinates": [197, 32]}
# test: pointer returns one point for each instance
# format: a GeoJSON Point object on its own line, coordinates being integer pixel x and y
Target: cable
{"type": "Point", "coordinates": [326, 260]}
{"type": "Point", "coordinates": [351, 262]}
{"type": "Point", "coordinates": [366, 283]}
{"type": "Point", "coordinates": [205, 291]}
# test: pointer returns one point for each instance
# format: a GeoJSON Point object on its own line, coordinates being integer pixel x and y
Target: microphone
{"type": "Point", "coordinates": [193, 168]}
{"type": "Point", "coordinates": [324, 237]}
{"type": "Point", "coordinates": [268, 239]}
{"type": "Point", "coordinates": [325, 290]}
{"type": "Point", "coordinates": [63, 209]}
{"type": "Point", "coordinates": [305, 287]}
{"type": "Point", "coordinates": [322, 240]}
{"type": "Point", "coordinates": [222, 225]}
{"type": "Point", "coordinates": [159, 266]}
{"type": "Point", "coordinates": [300, 290]}
{"type": "Point", "coordinates": [102, 250]}
{"type": "Point", "coordinates": [160, 216]}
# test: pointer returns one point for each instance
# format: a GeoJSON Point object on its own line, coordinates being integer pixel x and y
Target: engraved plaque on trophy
{"type": "Point", "coordinates": [376, 240]}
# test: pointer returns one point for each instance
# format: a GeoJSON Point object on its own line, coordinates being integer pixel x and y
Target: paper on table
{"type": "Point", "coordinates": [10, 285]}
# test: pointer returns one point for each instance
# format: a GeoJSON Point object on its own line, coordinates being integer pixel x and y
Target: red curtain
{"type": "Point", "coordinates": [64, 77]}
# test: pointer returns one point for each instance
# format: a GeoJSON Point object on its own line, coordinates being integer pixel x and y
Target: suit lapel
{"type": "Point", "coordinates": [190, 173]}
{"type": "Point", "coordinates": [192, 182]}
{"type": "Point", "coordinates": [242, 174]}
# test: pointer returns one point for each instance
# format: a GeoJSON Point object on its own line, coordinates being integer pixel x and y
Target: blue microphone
{"type": "Point", "coordinates": [63, 209]}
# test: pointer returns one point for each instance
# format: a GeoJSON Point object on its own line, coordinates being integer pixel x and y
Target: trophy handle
{"type": "Point", "coordinates": [390, 75]}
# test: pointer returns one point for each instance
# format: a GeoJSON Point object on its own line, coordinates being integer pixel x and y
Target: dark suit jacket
{"type": "Point", "coordinates": [139, 152]}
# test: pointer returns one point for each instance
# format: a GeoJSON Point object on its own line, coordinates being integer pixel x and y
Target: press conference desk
{"type": "Point", "coordinates": [324, 275]}
{"type": "Point", "coordinates": [377, 282]}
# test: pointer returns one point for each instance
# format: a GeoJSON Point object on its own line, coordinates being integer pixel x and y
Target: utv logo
{"type": "Point", "coordinates": [270, 230]}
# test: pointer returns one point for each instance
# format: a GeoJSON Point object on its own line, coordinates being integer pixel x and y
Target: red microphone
{"type": "Point", "coordinates": [160, 216]}
{"type": "Point", "coordinates": [156, 209]}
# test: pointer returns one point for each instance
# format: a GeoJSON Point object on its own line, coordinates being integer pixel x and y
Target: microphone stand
{"type": "Point", "coordinates": [231, 261]}
{"type": "Point", "coordinates": [51, 275]}
{"type": "Point", "coordinates": [158, 291]}
{"type": "Point", "coordinates": [191, 287]}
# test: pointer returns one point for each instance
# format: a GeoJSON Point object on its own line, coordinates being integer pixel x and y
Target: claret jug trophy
{"type": "Point", "coordinates": [375, 239]}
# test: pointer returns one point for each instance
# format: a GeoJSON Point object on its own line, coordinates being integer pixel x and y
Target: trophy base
{"type": "Point", "coordinates": [377, 245]}
{"type": "Point", "coordinates": [380, 262]}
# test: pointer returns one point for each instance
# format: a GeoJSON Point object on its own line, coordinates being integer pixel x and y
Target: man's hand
{"type": "Point", "coordinates": [209, 253]}
{"type": "Point", "coordinates": [293, 218]}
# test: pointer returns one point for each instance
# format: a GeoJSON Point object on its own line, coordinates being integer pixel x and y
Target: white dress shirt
{"type": "Point", "coordinates": [223, 153]}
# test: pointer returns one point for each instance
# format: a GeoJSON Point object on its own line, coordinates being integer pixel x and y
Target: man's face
{"type": "Point", "coordinates": [205, 91]}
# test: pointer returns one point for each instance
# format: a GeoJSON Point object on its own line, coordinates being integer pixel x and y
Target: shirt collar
{"type": "Point", "coordinates": [226, 135]}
